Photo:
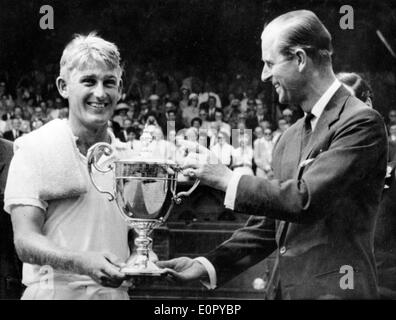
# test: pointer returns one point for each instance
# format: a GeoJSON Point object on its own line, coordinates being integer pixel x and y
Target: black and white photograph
{"type": "Point", "coordinates": [197, 154]}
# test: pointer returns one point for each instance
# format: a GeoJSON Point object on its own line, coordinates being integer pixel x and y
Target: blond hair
{"type": "Point", "coordinates": [87, 50]}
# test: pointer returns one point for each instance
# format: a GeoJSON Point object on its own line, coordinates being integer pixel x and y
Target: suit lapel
{"type": "Point", "coordinates": [330, 115]}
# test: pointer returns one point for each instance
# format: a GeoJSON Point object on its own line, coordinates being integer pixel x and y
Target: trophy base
{"type": "Point", "coordinates": [152, 270]}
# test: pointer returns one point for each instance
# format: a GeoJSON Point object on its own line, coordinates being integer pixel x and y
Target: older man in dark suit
{"type": "Point", "coordinates": [10, 266]}
{"type": "Point", "coordinates": [319, 212]}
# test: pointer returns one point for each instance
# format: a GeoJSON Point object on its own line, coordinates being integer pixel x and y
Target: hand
{"type": "Point", "coordinates": [104, 268]}
{"type": "Point", "coordinates": [183, 269]}
{"type": "Point", "coordinates": [204, 165]}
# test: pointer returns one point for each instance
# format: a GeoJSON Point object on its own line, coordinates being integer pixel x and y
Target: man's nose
{"type": "Point", "coordinates": [266, 74]}
{"type": "Point", "coordinates": [99, 90]}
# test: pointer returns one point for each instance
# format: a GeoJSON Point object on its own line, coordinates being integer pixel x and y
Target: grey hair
{"type": "Point", "coordinates": [302, 29]}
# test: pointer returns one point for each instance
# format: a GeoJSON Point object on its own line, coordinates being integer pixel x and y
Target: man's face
{"type": "Point", "coordinates": [38, 112]}
{"type": "Point", "coordinates": [212, 102]}
{"type": "Point", "coordinates": [259, 109]}
{"type": "Point", "coordinates": [131, 136]}
{"type": "Point", "coordinates": [16, 124]}
{"type": "Point", "coordinates": [203, 114]}
{"type": "Point", "coordinates": [171, 116]}
{"type": "Point", "coordinates": [196, 124]}
{"type": "Point", "coordinates": [221, 139]}
{"type": "Point", "coordinates": [127, 123]}
{"type": "Point", "coordinates": [282, 125]}
{"type": "Point", "coordinates": [280, 70]}
{"type": "Point", "coordinates": [392, 117]}
{"type": "Point", "coordinates": [268, 134]}
{"type": "Point", "coordinates": [18, 112]}
{"type": "Point", "coordinates": [258, 132]}
{"type": "Point", "coordinates": [218, 116]}
{"type": "Point", "coordinates": [93, 94]}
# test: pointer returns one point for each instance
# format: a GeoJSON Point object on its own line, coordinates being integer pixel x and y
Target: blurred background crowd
{"type": "Point", "coordinates": [236, 116]}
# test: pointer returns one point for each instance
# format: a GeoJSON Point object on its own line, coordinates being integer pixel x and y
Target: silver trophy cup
{"type": "Point", "coordinates": [145, 191]}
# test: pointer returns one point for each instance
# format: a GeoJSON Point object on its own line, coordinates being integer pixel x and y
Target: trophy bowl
{"type": "Point", "coordinates": [145, 192]}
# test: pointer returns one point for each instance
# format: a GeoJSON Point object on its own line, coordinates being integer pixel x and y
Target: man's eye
{"type": "Point", "coordinates": [110, 83]}
{"type": "Point", "coordinates": [88, 81]}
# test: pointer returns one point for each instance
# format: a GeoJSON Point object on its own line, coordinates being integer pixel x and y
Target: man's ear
{"type": "Point", "coordinates": [301, 59]}
{"type": "Point", "coordinates": [120, 87]}
{"type": "Point", "coordinates": [62, 87]}
{"type": "Point", "coordinates": [369, 102]}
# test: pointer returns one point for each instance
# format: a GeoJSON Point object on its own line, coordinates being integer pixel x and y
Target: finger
{"type": "Point", "coordinates": [109, 282]}
{"type": "Point", "coordinates": [112, 258]}
{"type": "Point", "coordinates": [189, 172]}
{"type": "Point", "coordinates": [113, 272]}
{"type": "Point", "coordinates": [171, 264]}
{"type": "Point", "coordinates": [171, 275]}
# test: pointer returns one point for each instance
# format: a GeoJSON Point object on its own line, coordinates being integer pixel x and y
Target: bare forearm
{"type": "Point", "coordinates": [38, 249]}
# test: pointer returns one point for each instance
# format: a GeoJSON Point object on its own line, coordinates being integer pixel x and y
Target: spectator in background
{"type": "Point", "coordinates": [10, 265]}
{"type": "Point", "coordinates": [38, 123]}
{"type": "Point", "coordinates": [385, 233]}
{"type": "Point", "coordinates": [172, 115]}
{"type": "Point", "coordinates": [64, 112]}
{"type": "Point", "coordinates": [154, 103]}
{"type": "Point", "coordinates": [287, 114]}
{"type": "Point", "coordinates": [222, 148]}
{"type": "Point", "coordinates": [18, 112]}
{"type": "Point", "coordinates": [120, 113]}
{"type": "Point", "coordinates": [133, 139]}
{"type": "Point", "coordinates": [3, 126]}
{"type": "Point", "coordinates": [185, 97]}
{"type": "Point", "coordinates": [25, 127]}
{"type": "Point", "coordinates": [260, 115]}
{"type": "Point", "coordinates": [190, 110]}
{"type": "Point", "coordinates": [144, 109]}
{"type": "Point", "coordinates": [203, 115]}
{"type": "Point", "coordinates": [218, 124]}
{"type": "Point", "coordinates": [231, 112]}
{"type": "Point", "coordinates": [15, 130]}
{"type": "Point", "coordinates": [212, 107]}
{"type": "Point", "coordinates": [358, 87]}
{"type": "Point", "coordinates": [160, 145]}
{"type": "Point", "coordinates": [282, 127]}
{"type": "Point", "coordinates": [249, 95]}
{"type": "Point", "coordinates": [206, 93]}
{"type": "Point", "coordinates": [242, 156]}
{"type": "Point", "coordinates": [191, 134]}
{"type": "Point", "coordinates": [391, 121]}
{"type": "Point", "coordinates": [263, 154]}
{"type": "Point", "coordinates": [196, 123]}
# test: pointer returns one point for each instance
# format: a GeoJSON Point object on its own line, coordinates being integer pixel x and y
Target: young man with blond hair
{"type": "Point", "coordinates": [72, 240]}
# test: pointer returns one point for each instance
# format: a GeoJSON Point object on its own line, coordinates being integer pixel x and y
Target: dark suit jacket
{"type": "Point", "coordinates": [9, 135]}
{"type": "Point", "coordinates": [10, 266]}
{"type": "Point", "coordinates": [321, 215]}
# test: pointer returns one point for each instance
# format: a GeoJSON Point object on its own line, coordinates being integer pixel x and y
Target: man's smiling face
{"type": "Point", "coordinates": [281, 70]}
{"type": "Point", "coordinates": [93, 93]}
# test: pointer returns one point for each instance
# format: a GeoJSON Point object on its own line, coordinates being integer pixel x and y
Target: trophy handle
{"type": "Point", "coordinates": [178, 196]}
{"type": "Point", "coordinates": [97, 151]}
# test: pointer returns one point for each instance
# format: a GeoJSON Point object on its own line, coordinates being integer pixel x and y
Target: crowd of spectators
{"type": "Point", "coordinates": [235, 117]}
{"type": "Point", "coordinates": [167, 107]}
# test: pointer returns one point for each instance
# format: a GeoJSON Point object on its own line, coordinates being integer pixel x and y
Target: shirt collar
{"type": "Point", "coordinates": [319, 106]}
